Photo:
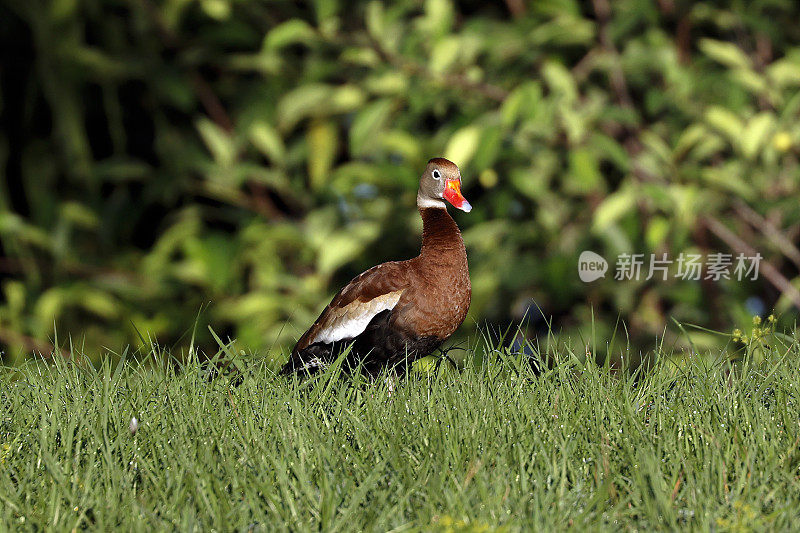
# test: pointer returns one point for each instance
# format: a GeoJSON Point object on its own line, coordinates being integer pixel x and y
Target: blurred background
{"type": "Point", "coordinates": [233, 163]}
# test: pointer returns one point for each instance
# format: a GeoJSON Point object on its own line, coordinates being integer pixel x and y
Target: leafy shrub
{"type": "Point", "coordinates": [248, 158]}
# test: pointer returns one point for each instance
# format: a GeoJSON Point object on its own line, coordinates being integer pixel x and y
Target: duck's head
{"type": "Point", "coordinates": [441, 181]}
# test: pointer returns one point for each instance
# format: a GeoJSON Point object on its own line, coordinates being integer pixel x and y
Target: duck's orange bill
{"type": "Point", "coordinates": [452, 193]}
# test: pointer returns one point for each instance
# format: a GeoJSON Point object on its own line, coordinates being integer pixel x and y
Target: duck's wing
{"type": "Point", "coordinates": [351, 310]}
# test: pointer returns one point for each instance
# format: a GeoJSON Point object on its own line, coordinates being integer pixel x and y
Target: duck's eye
{"type": "Point", "coordinates": [436, 175]}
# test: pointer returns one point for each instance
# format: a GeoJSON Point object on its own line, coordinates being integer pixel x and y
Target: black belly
{"type": "Point", "coordinates": [379, 346]}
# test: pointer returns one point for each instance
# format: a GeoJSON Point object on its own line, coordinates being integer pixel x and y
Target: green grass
{"type": "Point", "coordinates": [699, 444]}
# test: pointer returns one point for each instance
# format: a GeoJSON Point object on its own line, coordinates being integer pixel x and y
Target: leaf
{"type": "Point", "coordinates": [402, 142]}
{"type": "Point", "coordinates": [96, 301]}
{"type": "Point", "coordinates": [13, 225]}
{"type": "Point", "coordinates": [708, 146]}
{"type": "Point", "coordinates": [267, 140]}
{"type": "Point", "coordinates": [488, 148]}
{"type": "Point", "coordinates": [608, 149]}
{"type": "Point", "coordinates": [61, 10]}
{"type": "Point", "coordinates": [521, 103]}
{"type": "Point", "coordinates": [584, 171]}
{"type": "Point", "coordinates": [657, 232]}
{"type": "Point", "coordinates": [317, 100]}
{"type": "Point", "coordinates": [367, 57]}
{"type": "Point", "coordinates": [80, 215]}
{"type": "Point", "coordinates": [54, 302]}
{"type": "Point", "coordinates": [99, 63]}
{"type": "Point", "coordinates": [15, 295]}
{"type": "Point", "coordinates": [365, 133]}
{"type": "Point", "coordinates": [725, 122]}
{"type": "Point", "coordinates": [656, 146]}
{"type": "Point", "coordinates": [325, 9]}
{"type": "Point", "coordinates": [216, 9]}
{"type": "Point", "coordinates": [784, 73]}
{"type": "Point", "coordinates": [729, 178]}
{"type": "Point", "coordinates": [439, 17]}
{"type": "Point", "coordinates": [726, 53]}
{"type": "Point", "coordinates": [573, 121]}
{"type": "Point", "coordinates": [218, 141]}
{"type": "Point", "coordinates": [688, 139]}
{"type": "Point", "coordinates": [323, 139]}
{"type": "Point", "coordinates": [756, 133]}
{"type": "Point", "coordinates": [375, 20]}
{"type": "Point", "coordinates": [211, 259]}
{"type": "Point", "coordinates": [388, 83]}
{"type": "Point", "coordinates": [343, 246]}
{"type": "Point", "coordinates": [303, 101]}
{"type": "Point", "coordinates": [346, 98]}
{"type": "Point", "coordinates": [560, 80]}
{"type": "Point", "coordinates": [563, 30]}
{"type": "Point", "coordinates": [752, 81]}
{"type": "Point", "coordinates": [684, 199]}
{"type": "Point", "coordinates": [445, 53]}
{"type": "Point", "coordinates": [49, 306]}
{"type": "Point", "coordinates": [463, 144]}
{"type": "Point", "coordinates": [290, 32]}
{"type": "Point", "coordinates": [612, 209]}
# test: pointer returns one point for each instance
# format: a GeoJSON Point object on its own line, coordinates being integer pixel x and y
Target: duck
{"type": "Point", "coordinates": [399, 311]}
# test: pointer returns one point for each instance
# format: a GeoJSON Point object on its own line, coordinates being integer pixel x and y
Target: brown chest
{"type": "Point", "coordinates": [438, 304]}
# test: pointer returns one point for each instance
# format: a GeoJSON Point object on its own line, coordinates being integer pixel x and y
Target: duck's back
{"type": "Point", "coordinates": [365, 314]}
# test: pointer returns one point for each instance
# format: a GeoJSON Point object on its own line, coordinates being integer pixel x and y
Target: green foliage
{"type": "Point", "coordinates": [159, 156]}
{"type": "Point", "coordinates": [696, 444]}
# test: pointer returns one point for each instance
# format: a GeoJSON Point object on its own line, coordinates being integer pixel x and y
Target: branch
{"type": "Point", "coordinates": [619, 85]}
{"type": "Point", "coordinates": [205, 94]}
{"type": "Point", "coordinates": [773, 275]}
{"type": "Point", "coordinates": [29, 344]}
{"type": "Point", "coordinates": [516, 8]}
{"type": "Point", "coordinates": [772, 233]}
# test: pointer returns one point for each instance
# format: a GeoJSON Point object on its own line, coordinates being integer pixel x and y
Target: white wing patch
{"type": "Point", "coordinates": [352, 319]}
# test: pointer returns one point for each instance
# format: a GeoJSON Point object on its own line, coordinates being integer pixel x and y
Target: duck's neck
{"type": "Point", "coordinates": [440, 235]}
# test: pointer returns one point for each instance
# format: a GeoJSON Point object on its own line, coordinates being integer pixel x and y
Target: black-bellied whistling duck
{"type": "Point", "coordinates": [397, 312]}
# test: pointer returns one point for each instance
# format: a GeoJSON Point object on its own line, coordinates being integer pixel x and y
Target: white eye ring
{"type": "Point", "coordinates": [436, 175]}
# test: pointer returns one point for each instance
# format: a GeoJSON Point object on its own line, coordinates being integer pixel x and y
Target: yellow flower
{"type": "Point", "coordinates": [782, 141]}
{"type": "Point", "coordinates": [756, 320]}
